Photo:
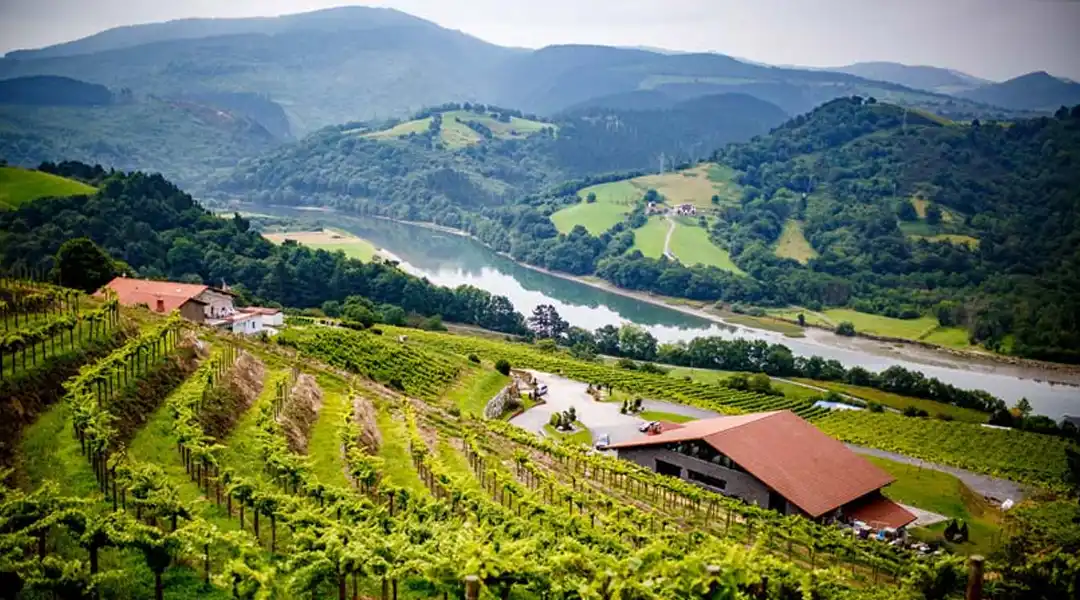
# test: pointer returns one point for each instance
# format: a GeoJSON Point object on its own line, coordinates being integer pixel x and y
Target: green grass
{"type": "Point", "coordinates": [324, 446]}
{"type": "Point", "coordinates": [788, 329]}
{"type": "Point", "coordinates": [952, 238]}
{"type": "Point", "coordinates": [691, 245]}
{"type": "Point", "coordinates": [19, 186]}
{"type": "Point", "coordinates": [50, 452]}
{"type": "Point", "coordinates": [331, 240]}
{"type": "Point", "coordinates": [397, 465]}
{"type": "Point", "coordinates": [879, 325]}
{"type": "Point", "coordinates": [455, 462]}
{"type": "Point", "coordinates": [613, 202]}
{"type": "Point", "coordinates": [793, 244]}
{"type": "Point", "coordinates": [580, 436]}
{"type": "Point", "coordinates": [650, 238]}
{"type": "Point", "coordinates": [950, 337]}
{"type": "Point", "coordinates": [946, 495]}
{"type": "Point", "coordinates": [900, 402]}
{"type": "Point", "coordinates": [475, 388]}
{"type": "Point", "coordinates": [657, 415]}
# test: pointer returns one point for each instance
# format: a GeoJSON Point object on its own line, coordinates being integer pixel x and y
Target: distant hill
{"type": "Point", "coordinates": [919, 77]}
{"type": "Point", "coordinates": [357, 64]}
{"type": "Point", "coordinates": [20, 186]}
{"type": "Point", "coordinates": [1034, 91]}
{"type": "Point", "coordinates": [185, 140]}
{"type": "Point", "coordinates": [45, 90]}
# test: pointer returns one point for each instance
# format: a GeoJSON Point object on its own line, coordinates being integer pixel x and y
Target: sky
{"type": "Point", "coordinates": [994, 39]}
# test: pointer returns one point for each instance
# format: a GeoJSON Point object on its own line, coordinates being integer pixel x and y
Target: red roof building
{"type": "Point", "coordinates": [775, 460]}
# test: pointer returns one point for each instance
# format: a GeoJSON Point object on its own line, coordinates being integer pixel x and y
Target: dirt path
{"type": "Point", "coordinates": [991, 487]}
{"type": "Point", "coordinates": [667, 239]}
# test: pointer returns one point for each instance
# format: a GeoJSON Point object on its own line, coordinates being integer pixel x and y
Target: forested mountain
{"type": "Point", "coordinates": [357, 63]}
{"type": "Point", "coordinates": [158, 231]}
{"type": "Point", "coordinates": [918, 77]}
{"type": "Point", "coordinates": [187, 140]}
{"type": "Point", "coordinates": [419, 174]}
{"type": "Point", "coordinates": [908, 215]}
{"type": "Point", "coordinates": [45, 90]}
{"type": "Point", "coordinates": [1034, 91]}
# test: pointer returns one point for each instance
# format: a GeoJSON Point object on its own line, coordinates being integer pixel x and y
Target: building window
{"type": "Point", "coordinates": [719, 484]}
{"type": "Point", "coordinates": [666, 468]}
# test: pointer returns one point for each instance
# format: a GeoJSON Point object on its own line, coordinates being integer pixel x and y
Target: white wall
{"type": "Point", "coordinates": [217, 305]}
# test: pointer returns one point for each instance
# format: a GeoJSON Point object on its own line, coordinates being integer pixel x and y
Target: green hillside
{"type": "Point", "coordinates": [19, 186]}
{"type": "Point", "coordinates": [461, 128]}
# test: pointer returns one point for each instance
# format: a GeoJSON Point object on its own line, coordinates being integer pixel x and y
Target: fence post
{"type": "Point", "coordinates": [472, 587]}
{"type": "Point", "coordinates": [975, 578]}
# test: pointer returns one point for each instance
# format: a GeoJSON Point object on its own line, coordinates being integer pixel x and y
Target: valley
{"type": "Point", "coordinates": [356, 304]}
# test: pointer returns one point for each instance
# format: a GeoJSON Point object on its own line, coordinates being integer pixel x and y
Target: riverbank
{"type": "Point", "coordinates": [898, 349]}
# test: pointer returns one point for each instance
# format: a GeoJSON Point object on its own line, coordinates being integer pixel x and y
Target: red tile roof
{"type": "Point", "coordinates": [812, 470]}
{"type": "Point", "coordinates": [141, 291]}
{"type": "Point", "coordinates": [879, 512]}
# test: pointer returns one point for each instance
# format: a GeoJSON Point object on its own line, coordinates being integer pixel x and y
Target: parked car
{"type": "Point", "coordinates": [647, 426]}
{"type": "Point", "coordinates": [602, 441]}
{"type": "Point", "coordinates": [540, 390]}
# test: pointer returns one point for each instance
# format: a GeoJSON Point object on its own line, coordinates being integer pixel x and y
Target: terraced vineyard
{"type": "Point", "coordinates": [189, 463]}
{"type": "Point", "coordinates": [658, 387]}
{"type": "Point", "coordinates": [1008, 453]}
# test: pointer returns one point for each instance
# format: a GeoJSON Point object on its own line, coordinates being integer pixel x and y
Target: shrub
{"type": "Point", "coordinates": [875, 407]}
{"type": "Point", "coordinates": [944, 417]}
{"type": "Point", "coordinates": [455, 411]}
{"type": "Point", "coordinates": [555, 420]}
{"type": "Point", "coordinates": [474, 358]}
{"type": "Point", "coordinates": [546, 345]}
{"type": "Point", "coordinates": [590, 198]}
{"type": "Point", "coordinates": [503, 366]}
{"type": "Point", "coordinates": [652, 368]}
{"type": "Point", "coordinates": [626, 363]}
{"type": "Point", "coordinates": [845, 328]}
{"type": "Point", "coordinates": [375, 330]}
{"type": "Point", "coordinates": [911, 411]}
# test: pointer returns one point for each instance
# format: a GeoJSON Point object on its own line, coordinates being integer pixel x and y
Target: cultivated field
{"type": "Point", "coordinates": [19, 186]}
{"type": "Point", "coordinates": [456, 134]}
{"type": "Point", "coordinates": [650, 238]}
{"type": "Point", "coordinates": [331, 240]}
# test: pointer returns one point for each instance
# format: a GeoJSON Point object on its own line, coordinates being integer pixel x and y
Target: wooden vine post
{"type": "Point", "coordinates": [975, 578]}
{"type": "Point", "coordinates": [472, 587]}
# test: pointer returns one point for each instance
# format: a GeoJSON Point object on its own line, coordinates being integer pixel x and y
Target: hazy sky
{"type": "Point", "coordinates": [996, 39]}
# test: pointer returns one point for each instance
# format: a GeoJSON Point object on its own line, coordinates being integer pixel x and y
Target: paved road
{"type": "Point", "coordinates": [601, 418]}
{"type": "Point", "coordinates": [991, 487]}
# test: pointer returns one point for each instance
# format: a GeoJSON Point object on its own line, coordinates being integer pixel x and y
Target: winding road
{"type": "Point", "coordinates": [667, 239]}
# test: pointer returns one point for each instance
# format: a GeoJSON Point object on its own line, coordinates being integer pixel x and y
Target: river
{"type": "Point", "coordinates": [449, 259]}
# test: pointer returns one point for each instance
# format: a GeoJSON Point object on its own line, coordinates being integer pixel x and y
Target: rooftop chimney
{"type": "Point", "coordinates": [160, 305]}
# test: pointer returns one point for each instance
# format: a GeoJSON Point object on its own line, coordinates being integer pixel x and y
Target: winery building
{"type": "Point", "coordinates": [775, 460]}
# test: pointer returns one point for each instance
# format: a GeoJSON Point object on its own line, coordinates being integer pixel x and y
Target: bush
{"type": "Point", "coordinates": [626, 363]}
{"type": "Point", "coordinates": [845, 328]}
{"type": "Point", "coordinates": [375, 330]}
{"type": "Point", "coordinates": [546, 345]}
{"type": "Point", "coordinates": [455, 411]}
{"type": "Point", "coordinates": [652, 368]}
{"type": "Point", "coordinates": [911, 411]}
{"type": "Point", "coordinates": [590, 198]}
{"type": "Point", "coordinates": [555, 420]}
{"type": "Point", "coordinates": [474, 358]}
{"type": "Point", "coordinates": [503, 366]}
{"type": "Point", "coordinates": [875, 407]}
{"type": "Point", "coordinates": [944, 417]}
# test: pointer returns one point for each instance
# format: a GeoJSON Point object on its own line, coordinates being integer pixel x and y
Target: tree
{"type": "Point", "coordinates": [802, 320]}
{"type": "Point", "coordinates": [933, 213]}
{"type": "Point", "coordinates": [906, 211]}
{"type": "Point", "coordinates": [1022, 410]}
{"type": "Point", "coordinates": [635, 342]}
{"type": "Point", "coordinates": [545, 322]}
{"type": "Point", "coordinates": [503, 366]}
{"type": "Point", "coordinates": [590, 198]}
{"type": "Point", "coordinates": [845, 328]}
{"type": "Point", "coordinates": [82, 265]}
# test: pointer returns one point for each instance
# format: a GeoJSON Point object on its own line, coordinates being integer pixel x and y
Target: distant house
{"type": "Point", "coordinates": [775, 460]}
{"type": "Point", "coordinates": [196, 302]}
{"type": "Point", "coordinates": [687, 210]}
{"type": "Point", "coordinates": [653, 208]}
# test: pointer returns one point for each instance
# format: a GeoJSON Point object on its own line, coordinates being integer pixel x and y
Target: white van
{"type": "Point", "coordinates": [540, 390]}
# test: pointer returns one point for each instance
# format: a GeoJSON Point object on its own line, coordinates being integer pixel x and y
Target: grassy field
{"type": "Point", "coordinates": [792, 243]}
{"type": "Point", "coordinates": [711, 376]}
{"type": "Point", "coordinates": [19, 186]}
{"type": "Point", "coordinates": [900, 402]}
{"type": "Point", "coordinates": [650, 238]}
{"type": "Point", "coordinates": [475, 388]}
{"type": "Point", "coordinates": [788, 329]}
{"type": "Point", "coordinates": [657, 415]}
{"type": "Point", "coordinates": [456, 134]}
{"type": "Point", "coordinates": [696, 185]}
{"type": "Point", "coordinates": [925, 328]}
{"type": "Point", "coordinates": [331, 240]}
{"type": "Point", "coordinates": [946, 495]}
{"type": "Point", "coordinates": [691, 245]}
{"type": "Point", "coordinates": [613, 202]}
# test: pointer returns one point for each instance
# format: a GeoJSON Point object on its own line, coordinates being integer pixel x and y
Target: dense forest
{"type": "Point", "coordinates": [157, 231]}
